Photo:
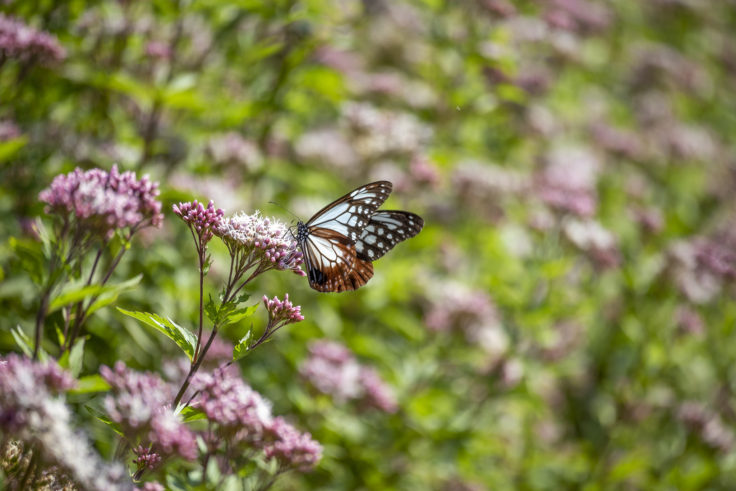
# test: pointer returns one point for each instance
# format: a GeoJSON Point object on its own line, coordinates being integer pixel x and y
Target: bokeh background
{"type": "Point", "coordinates": [566, 316]}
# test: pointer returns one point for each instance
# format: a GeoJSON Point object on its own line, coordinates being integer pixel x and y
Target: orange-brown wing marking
{"type": "Point", "coordinates": [332, 263]}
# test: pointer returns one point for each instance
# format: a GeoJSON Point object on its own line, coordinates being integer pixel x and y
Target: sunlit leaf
{"type": "Point", "coordinates": [183, 338]}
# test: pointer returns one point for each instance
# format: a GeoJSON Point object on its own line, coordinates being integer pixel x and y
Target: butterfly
{"type": "Point", "coordinates": [341, 241]}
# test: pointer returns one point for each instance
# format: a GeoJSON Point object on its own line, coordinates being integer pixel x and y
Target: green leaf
{"type": "Point", "coordinates": [105, 419]}
{"type": "Point", "coordinates": [105, 294]}
{"type": "Point", "coordinates": [239, 314]}
{"type": "Point", "coordinates": [191, 414]}
{"type": "Point", "coordinates": [23, 341]}
{"type": "Point", "coordinates": [10, 147]}
{"type": "Point", "coordinates": [241, 349]}
{"type": "Point", "coordinates": [74, 295]}
{"type": "Point", "coordinates": [211, 310]}
{"type": "Point", "coordinates": [90, 384]}
{"type": "Point", "coordinates": [76, 357]}
{"type": "Point", "coordinates": [112, 292]}
{"type": "Point", "coordinates": [60, 335]}
{"type": "Point", "coordinates": [183, 338]}
{"type": "Point", "coordinates": [31, 257]}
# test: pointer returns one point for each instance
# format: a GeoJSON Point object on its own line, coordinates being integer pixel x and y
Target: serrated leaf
{"type": "Point", "coordinates": [90, 384]}
{"type": "Point", "coordinates": [238, 315]}
{"type": "Point", "coordinates": [241, 349]}
{"type": "Point", "coordinates": [211, 310]}
{"type": "Point", "coordinates": [183, 338]}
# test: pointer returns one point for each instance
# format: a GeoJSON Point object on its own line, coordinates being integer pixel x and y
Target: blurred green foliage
{"type": "Point", "coordinates": [566, 317]}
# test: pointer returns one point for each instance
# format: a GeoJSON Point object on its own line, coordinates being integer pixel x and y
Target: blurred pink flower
{"type": "Point", "coordinates": [701, 266]}
{"type": "Point", "coordinates": [33, 411]}
{"type": "Point", "coordinates": [293, 449]}
{"type": "Point", "coordinates": [455, 307]}
{"type": "Point", "coordinates": [22, 42]}
{"type": "Point", "coordinates": [620, 142]}
{"type": "Point", "coordinates": [579, 16]}
{"type": "Point", "coordinates": [232, 148]}
{"type": "Point", "coordinates": [569, 179]}
{"type": "Point", "coordinates": [239, 411]}
{"type": "Point", "coordinates": [8, 130]}
{"type": "Point", "coordinates": [141, 404]}
{"type": "Point", "coordinates": [104, 201]}
{"type": "Point", "coordinates": [707, 424]}
{"type": "Point", "coordinates": [689, 320]}
{"type": "Point", "coordinates": [595, 240]}
{"type": "Point", "coordinates": [332, 369]}
{"type": "Point", "coordinates": [158, 49]}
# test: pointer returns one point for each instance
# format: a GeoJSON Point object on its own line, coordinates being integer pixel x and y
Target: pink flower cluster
{"type": "Point", "coordinates": [283, 312]}
{"type": "Point", "coordinates": [140, 404]}
{"type": "Point", "coordinates": [22, 42]}
{"type": "Point", "coordinates": [201, 220]}
{"type": "Point", "coordinates": [568, 181]}
{"type": "Point", "coordinates": [227, 401]}
{"type": "Point", "coordinates": [707, 424]}
{"type": "Point", "coordinates": [455, 307]}
{"type": "Point", "coordinates": [333, 369]}
{"type": "Point", "coordinates": [8, 130]}
{"type": "Point", "coordinates": [242, 415]}
{"type": "Point", "coordinates": [232, 148]}
{"type": "Point", "coordinates": [33, 411]}
{"type": "Point", "coordinates": [21, 380]}
{"type": "Point", "coordinates": [104, 201]}
{"type": "Point", "coordinates": [293, 449]}
{"type": "Point", "coordinates": [267, 239]}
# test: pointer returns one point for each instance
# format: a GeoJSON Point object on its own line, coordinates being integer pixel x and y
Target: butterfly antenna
{"type": "Point", "coordinates": [285, 209]}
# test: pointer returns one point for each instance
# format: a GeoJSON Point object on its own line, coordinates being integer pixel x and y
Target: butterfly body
{"type": "Point", "coordinates": [341, 241]}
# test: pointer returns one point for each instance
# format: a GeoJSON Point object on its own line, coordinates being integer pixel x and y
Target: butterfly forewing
{"type": "Point", "coordinates": [349, 214]}
{"type": "Point", "coordinates": [386, 229]}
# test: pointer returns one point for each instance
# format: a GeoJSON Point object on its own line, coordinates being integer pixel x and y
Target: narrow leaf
{"type": "Point", "coordinates": [76, 357]}
{"type": "Point", "coordinates": [23, 341]}
{"type": "Point", "coordinates": [105, 419]}
{"type": "Point", "coordinates": [183, 338]}
{"type": "Point", "coordinates": [90, 384]}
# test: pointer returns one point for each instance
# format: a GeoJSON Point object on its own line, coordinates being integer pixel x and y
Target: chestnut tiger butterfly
{"type": "Point", "coordinates": [341, 241]}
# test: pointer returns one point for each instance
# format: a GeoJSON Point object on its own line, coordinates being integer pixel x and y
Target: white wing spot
{"type": "Point", "coordinates": [380, 231]}
{"type": "Point", "coordinates": [390, 236]}
{"type": "Point", "coordinates": [380, 244]}
{"type": "Point", "coordinates": [371, 253]}
{"type": "Point", "coordinates": [371, 239]}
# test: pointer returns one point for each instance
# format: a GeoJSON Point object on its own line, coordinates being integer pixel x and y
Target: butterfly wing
{"type": "Point", "coordinates": [349, 214]}
{"type": "Point", "coordinates": [332, 263]}
{"type": "Point", "coordinates": [385, 229]}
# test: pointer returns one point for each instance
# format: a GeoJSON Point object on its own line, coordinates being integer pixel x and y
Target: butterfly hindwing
{"type": "Point", "coordinates": [332, 264]}
{"type": "Point", "coordinates": [386, 229]}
